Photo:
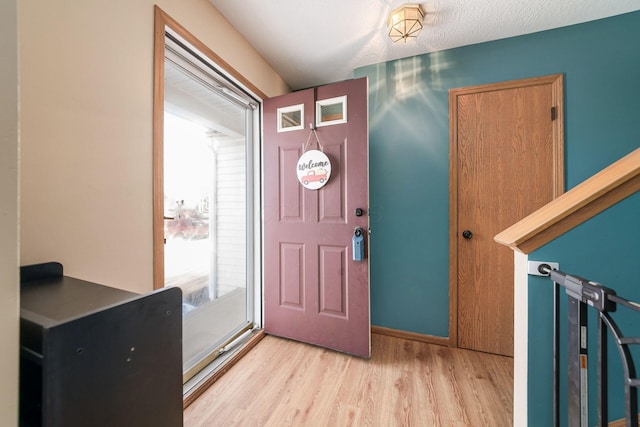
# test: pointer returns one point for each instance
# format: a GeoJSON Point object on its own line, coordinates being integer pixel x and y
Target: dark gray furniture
{"type": "Point", "coordinates": [92, 355]}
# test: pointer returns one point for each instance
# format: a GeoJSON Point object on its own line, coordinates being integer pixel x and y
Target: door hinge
{"type": "Point", "coordinates": [554, 113]}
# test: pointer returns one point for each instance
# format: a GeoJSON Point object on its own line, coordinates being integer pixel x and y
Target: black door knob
{"type": "Point", "coordinates": [467, 234]}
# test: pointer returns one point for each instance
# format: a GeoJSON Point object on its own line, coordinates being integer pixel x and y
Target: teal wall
{"type": "Point", "coordinates": [409, 149]}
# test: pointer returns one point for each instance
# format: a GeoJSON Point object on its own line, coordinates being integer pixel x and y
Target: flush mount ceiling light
{"type": "Point", "coordinates": [405, 22]}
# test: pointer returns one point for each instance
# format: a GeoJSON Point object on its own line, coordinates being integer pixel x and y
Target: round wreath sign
{"type": "Point", "coordinates": [314, 169]}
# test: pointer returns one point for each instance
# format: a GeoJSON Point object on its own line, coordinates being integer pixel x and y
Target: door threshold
{"type": "Point", "coordinates": [197, 385]}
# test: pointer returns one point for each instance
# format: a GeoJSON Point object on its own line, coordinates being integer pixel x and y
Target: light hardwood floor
{"type": "Point", "coordinates": [405, 383]}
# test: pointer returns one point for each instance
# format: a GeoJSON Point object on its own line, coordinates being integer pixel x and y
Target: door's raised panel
{"type": "Point", "coordinates": [331, 281]}
{"type": "Point", "coordinates": [292, 275]}
{"type": "Point", "coordinates": [290, 190]}
{"type": "Point", "coordinates": [332, 201]}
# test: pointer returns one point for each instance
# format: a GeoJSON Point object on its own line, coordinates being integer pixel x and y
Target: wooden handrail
{"type": "Point", "coordinates": [604, 189]}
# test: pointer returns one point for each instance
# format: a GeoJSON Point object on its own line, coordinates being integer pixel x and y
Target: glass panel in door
{"type": "Point", "coordinates": [205, 209]}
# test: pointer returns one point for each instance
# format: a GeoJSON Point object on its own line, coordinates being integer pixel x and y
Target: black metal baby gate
{"type": "Point", "coordinates": [582, 293]}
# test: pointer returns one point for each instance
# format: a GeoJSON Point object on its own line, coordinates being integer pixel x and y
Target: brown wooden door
{"type": "Point", "coordinates": [314, 290]}
{"type": "Point", "coordinates": [506, 162]}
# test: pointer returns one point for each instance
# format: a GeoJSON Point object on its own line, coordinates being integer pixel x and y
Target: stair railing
{"type": "Point", "coordinates": [581, 294]}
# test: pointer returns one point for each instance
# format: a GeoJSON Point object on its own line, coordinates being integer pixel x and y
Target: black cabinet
{"type": "Point", "coordinates": [92, 355]}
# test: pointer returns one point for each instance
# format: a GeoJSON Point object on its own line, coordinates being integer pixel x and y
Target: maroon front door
{"type": "Point", "coordinates": [314, 290]}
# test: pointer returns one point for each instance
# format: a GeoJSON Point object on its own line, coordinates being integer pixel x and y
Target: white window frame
{"type": "Point", "coordinates": [331, 101]}
{"type": "Point", "coordinates": [283, 110]}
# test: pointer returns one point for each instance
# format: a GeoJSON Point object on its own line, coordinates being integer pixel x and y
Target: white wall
{"type": "Point", "coordinates": [9, 295]}
{"type": "Point", "coordinates": [86, 129]}
{"type": "Point", "coordinates": [520, 339]}
{"type": "Point", "coordinates": [230, 208]}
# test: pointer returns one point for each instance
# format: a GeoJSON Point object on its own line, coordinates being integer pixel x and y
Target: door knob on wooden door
{"type": "Point", "coordinates": [467, 234]}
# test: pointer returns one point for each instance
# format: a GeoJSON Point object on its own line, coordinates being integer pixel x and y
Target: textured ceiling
{"type": "Point", "coordinates": [312, 42]}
